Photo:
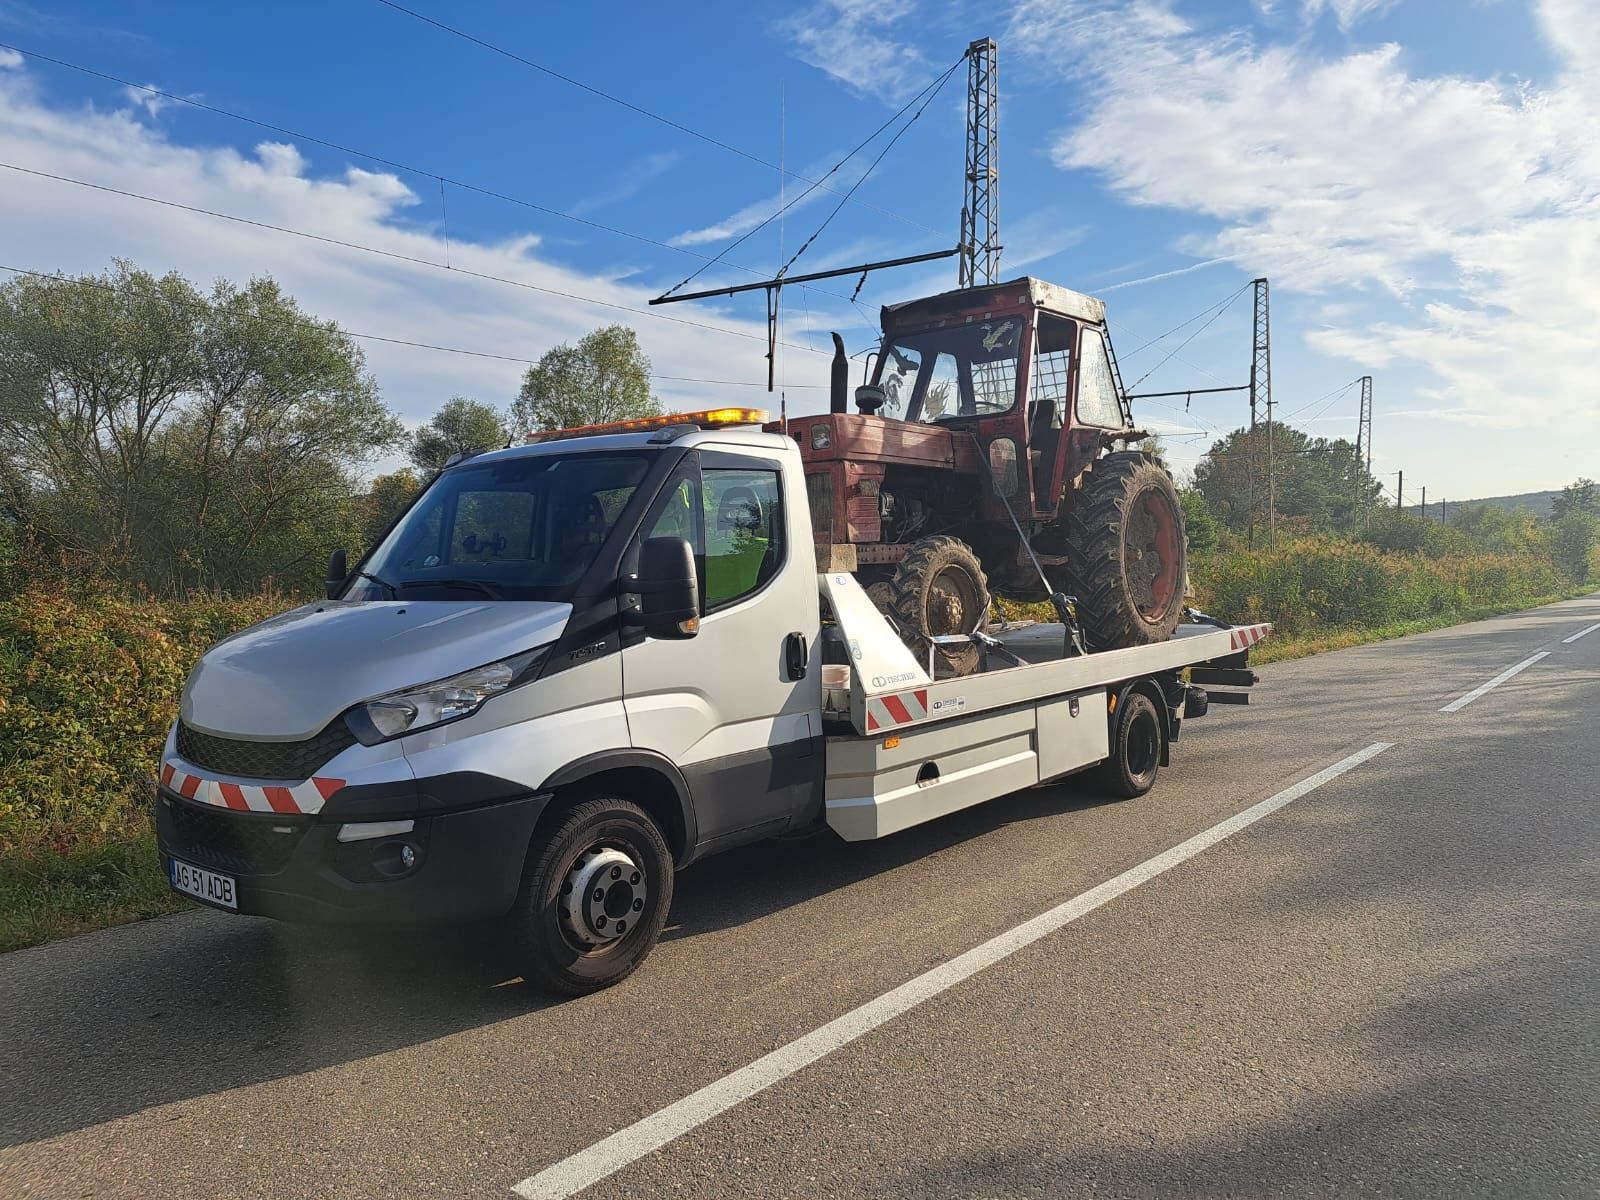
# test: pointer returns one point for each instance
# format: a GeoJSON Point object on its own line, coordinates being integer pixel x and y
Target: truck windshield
{"type": "Point", "coordinates": [511, 529]}
{"type": "Point", "coordinates": [945, 374]}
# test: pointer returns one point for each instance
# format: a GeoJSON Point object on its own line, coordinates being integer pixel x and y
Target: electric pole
{"type": "Point", "coordinates": [1422, 509]}
{"type": "Point", "coordinates": [980, 215]}
{"type": "Point", "coordinates": [1364, 428]}
{"type": "Point", "coordinates": [1400, 491]}
{"type": "Point", "coordinates": [1261, 392]}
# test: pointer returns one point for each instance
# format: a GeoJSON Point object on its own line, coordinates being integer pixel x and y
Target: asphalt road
{"type": "Point", "coordinates": [1385, 987]}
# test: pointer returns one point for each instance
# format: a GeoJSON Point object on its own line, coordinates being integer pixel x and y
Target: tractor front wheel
{"type": "Point", "coordinates": [939, 588]}
{"type": "Point", "coordinates": [1126, 557]}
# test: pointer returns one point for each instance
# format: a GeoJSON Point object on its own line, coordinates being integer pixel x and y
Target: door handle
{"type": "Point", "coordinates": [795, 657]}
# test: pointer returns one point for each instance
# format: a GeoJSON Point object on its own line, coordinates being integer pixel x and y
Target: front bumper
{"type": "Point", "coordinates": [467, 862]}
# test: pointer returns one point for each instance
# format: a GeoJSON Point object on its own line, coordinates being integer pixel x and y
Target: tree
{"type": "Point", "coordinates": [1198, 523]}
{"type": "Point", "coordinates": [605, 377]}
{"type": "Point", "coordinates": [179, 440]}
{"type": "Point", "coordinates": [462, 426]}
{"type": "Point", "coordinates": [388, 497]}
{"type": "Point", "coordinates": [1583, 496]}
{"type": "Point", "coordinates": [1574, 538]}
{"type": "Point", "coordinates": [1319, 484]}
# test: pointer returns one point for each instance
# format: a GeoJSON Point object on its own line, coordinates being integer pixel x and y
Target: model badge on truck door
{"type": "Point", "coordinates": [584, 652]}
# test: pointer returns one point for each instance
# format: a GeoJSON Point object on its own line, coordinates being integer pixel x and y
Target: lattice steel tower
{"type": "Point", "coordinates": [1261, 391]}
{"type": "Point", "coordinates": [980, 214]}
{"type": "Point", "coordinates": [1364, 428]}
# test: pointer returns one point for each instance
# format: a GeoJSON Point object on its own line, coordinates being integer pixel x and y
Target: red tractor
{"type": "Point", "coordinates": [983, 455]}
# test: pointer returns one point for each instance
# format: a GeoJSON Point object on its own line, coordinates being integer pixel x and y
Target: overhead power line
{"type": "Point", "coordinates": [930, 90]}
{"type": "Point", "coordinates": [315, 323]}
{"type": "Point", "coordinates": [392, 163]}
{"type": "Point", "coordinates": [635, 108]}
{"type": "Point", "coordinates": [1171, 354]}
{"type": "Point", "coordinates": [393, 255]}
{"type": "Point", "coordinates": [1335, 394]}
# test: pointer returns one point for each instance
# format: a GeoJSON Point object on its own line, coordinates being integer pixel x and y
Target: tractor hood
{"type": "Point", "coordinates": [286, 678]}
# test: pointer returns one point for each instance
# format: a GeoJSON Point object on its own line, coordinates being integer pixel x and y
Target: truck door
{"type": "Point", "coordinates": [738, 706]}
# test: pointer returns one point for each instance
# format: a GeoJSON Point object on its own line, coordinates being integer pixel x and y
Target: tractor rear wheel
{"type": "Point", "coordinates": [939, 588]}
{"type": "Point", "coordinates": [1126, 556]}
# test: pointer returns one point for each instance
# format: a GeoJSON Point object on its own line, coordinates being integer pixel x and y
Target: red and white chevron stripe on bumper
{"type": "Point", "coordinates": [886, 712]}
{"type": "Point", "coordinates": [1245, 636]}
{"type": "Point", "coordinates": [300, 799]}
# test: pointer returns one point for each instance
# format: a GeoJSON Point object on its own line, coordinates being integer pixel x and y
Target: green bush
{"type": "Point", "coordinates": [1321, 584]}
{"type": "Point", "coordinates": [88, 688]}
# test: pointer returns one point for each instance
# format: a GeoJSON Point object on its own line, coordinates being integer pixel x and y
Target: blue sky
{"type": "Point", "coordinates": [1418, 178]}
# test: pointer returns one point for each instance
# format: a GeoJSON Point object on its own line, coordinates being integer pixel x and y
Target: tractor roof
{"type": "Point", "coordinates": [1009, 296]}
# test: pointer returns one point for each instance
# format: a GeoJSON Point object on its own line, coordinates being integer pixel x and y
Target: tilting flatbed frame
{"type": "Point", "coordinates": [919, 748]}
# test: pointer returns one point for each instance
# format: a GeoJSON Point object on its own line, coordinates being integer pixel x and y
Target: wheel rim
{"type": "Point", "coordinates": [1144, 745]}
{"type": "Point", "coordinates": [1153, 554]}
{"type": "Point", "coordinates": [952, 603]}
{"type": "Point", "coordinates": [603, 898]}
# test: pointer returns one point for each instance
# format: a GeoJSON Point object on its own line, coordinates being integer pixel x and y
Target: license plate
{"type": "Point", "coordinates": [204, 885]}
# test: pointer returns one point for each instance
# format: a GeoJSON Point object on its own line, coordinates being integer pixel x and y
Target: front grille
{"type": "Point", "coordinates": [263, 760]}
{"type": "Point", "coordinates": [237, 843]}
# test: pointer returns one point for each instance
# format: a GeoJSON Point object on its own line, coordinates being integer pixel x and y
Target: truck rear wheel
{"type": "Point", "coordinates": [940, 588]}
{"type": "Point", "coordinates": [594, 897]}
{"type": "Point", "coordinates": [1126, 559]}
{"type": "Point", "coordinates": [1136, 737]}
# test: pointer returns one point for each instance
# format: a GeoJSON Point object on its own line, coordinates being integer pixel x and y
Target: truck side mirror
{"type": "Point", "coordinates": [667, 587]}
{"type": "Point", "coordinates": [338, 572]}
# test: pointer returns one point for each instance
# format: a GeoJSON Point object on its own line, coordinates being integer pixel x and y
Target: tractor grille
{"type": "Point", "coordinates": [263, 760]}
{"type": "Point", "coordinates": [236, 843]}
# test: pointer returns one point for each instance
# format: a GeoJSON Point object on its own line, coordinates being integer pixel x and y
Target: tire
{"type": "Point", "coordinates": [940, 588]}
{"type": "Point", "coordinates": [1127, 561]}
{"type": "Point", "coordinates": [882, 595]}
{"type": "Point", "coordinates": [562, 954]}
{"type": "Point", "coordinates": [1136, 739]}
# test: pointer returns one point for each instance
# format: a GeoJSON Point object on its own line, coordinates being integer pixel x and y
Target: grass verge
{"type": "Point", "coordinates": [1281, 649]}
{"type": "Point", "coordinates": [49, 896]}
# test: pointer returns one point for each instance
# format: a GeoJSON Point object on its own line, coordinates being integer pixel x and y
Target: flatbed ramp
{"type": "Point", "coordinates": [922, 748]}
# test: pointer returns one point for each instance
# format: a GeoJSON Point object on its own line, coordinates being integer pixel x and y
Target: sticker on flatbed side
{"type": "Point", "coordinates": [948, 704]}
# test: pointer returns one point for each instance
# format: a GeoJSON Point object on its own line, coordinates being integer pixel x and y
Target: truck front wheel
{"type": "Point", "coordinates": [594, 897]}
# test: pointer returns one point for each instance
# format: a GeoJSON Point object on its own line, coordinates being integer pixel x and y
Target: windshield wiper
{"type": "Point", "coordinates": [488, 590]}
{"type": "Point", "coordinates": [394, 592]}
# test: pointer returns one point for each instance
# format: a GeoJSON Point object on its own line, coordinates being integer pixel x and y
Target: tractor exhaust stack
{"type": "Point", "coordinates": [839, 383]}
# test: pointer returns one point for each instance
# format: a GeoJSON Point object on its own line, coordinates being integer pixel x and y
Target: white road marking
{"type": "Point", "coordinates": [1461, 702]}
{"type": "Point", "coordinates": [1567, 641]}
{"type": "Point", "coordinates": [632, 1143]}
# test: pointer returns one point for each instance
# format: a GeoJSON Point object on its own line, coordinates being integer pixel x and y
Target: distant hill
{"type": "Point", "coordinates": [1537, 503]}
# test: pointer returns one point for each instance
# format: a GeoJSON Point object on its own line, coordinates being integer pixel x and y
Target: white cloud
{"type": "Point", "coordinates": [150, 101]}
{"type": "Point", "coordinates": [1346, 12]}
{"type": "Point", "coordinates": [54, 226]}
{"type": "Point", "coordinates": [1473, 203]}
{"type": "Point", "coordinates": [9, 59]}
{"type": "Point", "coordinates": [745, 219]}
{"type": "Point", "coordinates": [854, 41]}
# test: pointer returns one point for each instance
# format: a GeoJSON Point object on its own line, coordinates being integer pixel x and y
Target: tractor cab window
{"type": "Point", "coordinates": [949, 374]}
{"type": "Point", "coordinates": [1097, 389]}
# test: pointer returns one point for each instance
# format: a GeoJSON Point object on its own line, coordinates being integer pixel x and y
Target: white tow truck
{"type": "Point", "coordinates": [574, 667]}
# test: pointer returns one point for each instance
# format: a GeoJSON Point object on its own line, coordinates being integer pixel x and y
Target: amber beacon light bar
{"type": "Point", "coordinates": [711, 418]}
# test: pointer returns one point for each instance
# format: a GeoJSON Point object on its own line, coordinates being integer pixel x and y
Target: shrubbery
{"type": "Point", "coordinates": [88, 688]}
{"type": "Point", "coordinates": [1318, 584]}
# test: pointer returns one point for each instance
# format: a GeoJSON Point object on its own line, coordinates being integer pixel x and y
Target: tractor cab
{"type": "Point", "coordinates": [979, 461]}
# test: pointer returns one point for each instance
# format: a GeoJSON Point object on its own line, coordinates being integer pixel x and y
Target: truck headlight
{"type": "Point", "coordinates": [440, 702]}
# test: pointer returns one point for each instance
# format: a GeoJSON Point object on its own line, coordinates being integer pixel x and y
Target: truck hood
{"type": "Point", "coordinates": [286, 678]}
